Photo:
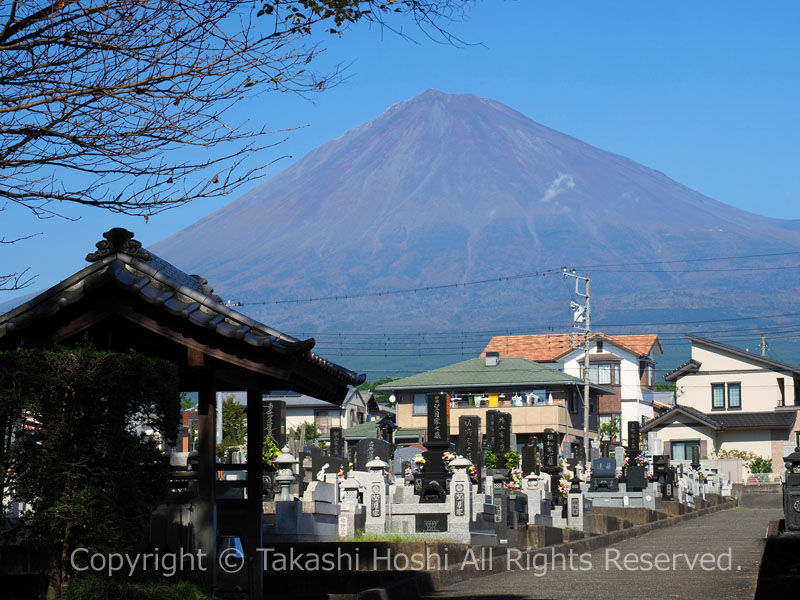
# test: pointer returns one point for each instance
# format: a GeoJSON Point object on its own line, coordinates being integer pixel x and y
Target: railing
{"type": "Point", "coordinates": [501, 403]}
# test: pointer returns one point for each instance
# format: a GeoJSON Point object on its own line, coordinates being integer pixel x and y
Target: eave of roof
{"type": "Point", "coordinates": [728, 421]}
{"type": "Point", "coordinates": [668, 416]}
{"type": "Point", "coordinates": [120, 260]}
{"type": "Point", "coordinates": [690, 365]}
{"type": "Point", "coordinates": [774, 364]}
{"type": "Point", "coordinates": [473, 373]}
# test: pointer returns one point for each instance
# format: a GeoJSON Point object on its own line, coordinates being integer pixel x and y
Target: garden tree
{"type": "Point", "coordinates": [234, 425]}
{"type": "Point", "coordinates": [123, 104]}
{"type": "Point", "coordinates": [91, 477]}
{"type": "Point", "coordinates": [609, 430]}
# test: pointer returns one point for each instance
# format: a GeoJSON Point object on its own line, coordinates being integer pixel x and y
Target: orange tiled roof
{"type": "Point", "coordinates": [552, 346]}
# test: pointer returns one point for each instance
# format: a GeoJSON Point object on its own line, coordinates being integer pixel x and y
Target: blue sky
{"type": "Point", "coordinates": [707, 93]}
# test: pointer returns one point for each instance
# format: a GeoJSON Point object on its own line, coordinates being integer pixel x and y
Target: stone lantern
{"type": "Point", "coordinates": [791, 491]}
{"type": "Point", "coordinates": [285, 466]}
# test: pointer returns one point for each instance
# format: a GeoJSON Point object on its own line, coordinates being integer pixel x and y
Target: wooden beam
{"type": "Point", "coordinates": [255, 471]}
{"type": "Point", "coordinates": [206, 513]}
{"type": "Point", "coordinates": [180, 338]}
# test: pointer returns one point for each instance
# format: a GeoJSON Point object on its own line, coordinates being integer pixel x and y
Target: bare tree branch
{"type": "Point", "coordinates": [122, 104]}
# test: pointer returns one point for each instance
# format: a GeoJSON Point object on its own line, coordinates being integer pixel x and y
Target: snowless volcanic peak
{"type": "Point", "coordinates": [446, 188]}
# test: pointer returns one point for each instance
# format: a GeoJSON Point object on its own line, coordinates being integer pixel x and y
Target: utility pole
{"type": "Point", "coordinates": [763, 344]}
{"type": "Point", "coordinates": [582, 320]}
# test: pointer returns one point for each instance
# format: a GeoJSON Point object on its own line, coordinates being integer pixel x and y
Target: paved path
{"type": "Point", "coordinates": [732, 541]}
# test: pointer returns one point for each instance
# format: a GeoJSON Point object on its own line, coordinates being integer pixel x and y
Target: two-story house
{"type": "Point", "coordinates": [537, 397]}
{"type": "Point", "coordinates": [730, 399]}
{"type": "Point", "coordinates": [622, 364]}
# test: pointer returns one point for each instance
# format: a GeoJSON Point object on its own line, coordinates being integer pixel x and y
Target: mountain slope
{"type": "Point", "coordinates": [449, 188]}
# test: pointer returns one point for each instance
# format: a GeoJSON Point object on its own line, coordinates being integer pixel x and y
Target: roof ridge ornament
{"type": "Point", "coordinates": [118, 239]}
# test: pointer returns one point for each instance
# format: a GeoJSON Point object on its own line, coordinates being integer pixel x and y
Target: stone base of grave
{"type": "Point", "coordinates": [649, 498]}
{"type": "Point", "coordinates": [297, 521]}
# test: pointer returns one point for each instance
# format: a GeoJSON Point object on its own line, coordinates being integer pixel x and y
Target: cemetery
{"type": "Point", "coordinates": [476, 494]}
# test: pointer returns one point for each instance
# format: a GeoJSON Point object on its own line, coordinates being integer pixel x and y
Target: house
{"type": "Point", "coordinates": [730, 399]}
{"type": "Point", "coordinates": [300, 408]}
{"type": "Point", "coordinates": [537, 397]}
{"type": "Point", "coordinates": [622, 364]}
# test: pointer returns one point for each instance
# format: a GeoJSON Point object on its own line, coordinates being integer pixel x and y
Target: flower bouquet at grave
{"type": "Point", "coordinates": [448, 457]}
{"type": "Point", "coordinates": [340, 475]}
{"type": "Point", "coordinates": [651, 476]}
{"type": "Point", "coordinates": [563, 486]}
{"type": "Point", "coordinates": [640, 460]}
{"type": "Point", "coordinates": [514, 483]}
{"type": "Point", "coordinates": [418, 464]}
{"type": "Point", "coordinates": [473, 473]}
{"type": "Point", "coordinates": [269, 452]}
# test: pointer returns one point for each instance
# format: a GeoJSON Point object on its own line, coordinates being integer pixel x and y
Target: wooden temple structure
{"type": "Point", "coordinates": [129, 298]}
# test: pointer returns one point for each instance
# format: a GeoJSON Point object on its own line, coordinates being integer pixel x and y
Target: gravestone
{"type": "Point", "coordinates": [433, 483]}
{"type": "Point", "coordinates": [530, 460]}
{"type": "Point", "coordinates": [274, 421]}
{"type": "Point", "coordinates": [370, 448]}
{"type": "Point", "coordinates": [567, 451]}
{"type": "Point", "coordinates": [469, 438]}
{"type": "Point", "coordinates": [438, 421]}
{"type": "Point", "coordinates": [696, 457]}
{"type": "Point", "coordinates": [326, 465]}
{"type": "Point", "coordinates": [502, 434]}
{"type": "Point", "coordinates": [619, 456]}
{"type": "Point", "coordinates": [550, 462]}
{"type": "Point", "coordinates": [351, 452]}
{"type": "Point", "coordinates": [313, 451]}
{"type": "Point", "coordinates": [337, 442]}
{"type": "Point", "coordinates": [469, 443]}
{"type": "Point", "coordinates": [633, 437]}
{"type": "Point", "coordinates": [550, 451]}
{"type": "Point", "coordinates": [604, 476]}
{"type": "Point", "coordinates": [489, 441]}
{"type": "Point", "coordinates": [635, 478]}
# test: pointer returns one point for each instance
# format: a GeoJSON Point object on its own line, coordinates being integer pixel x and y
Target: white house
{"type": "Point", "coordinates": [620, 363]}
{"type": "Point", "coordinates": [730, 399]}
{"type": "Point", "coordinates": [301, 409]}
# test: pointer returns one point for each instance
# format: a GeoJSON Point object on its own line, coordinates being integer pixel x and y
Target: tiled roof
{"type": "Point", "coordinates": [728, 420]}
{"type": "Point", "coordinates": [121, 262]}
{"type": "Point", "coordinates": [691, 365]}
{"type": "Point", "coordinates": [758, 420]}
{"type": "Point", "coordinates": [474, 372]}
{"type": "Point", "coordinates": [552, 346]}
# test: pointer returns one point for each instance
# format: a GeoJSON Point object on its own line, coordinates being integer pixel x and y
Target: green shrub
{"type": "Point", "coordinates": [94, 587]}
{"type": "Point", "coordinates": [511, 459]}
{"type": "Point", "coordinates": [759, 465]}
{"type": "Point", "coordinates": [490, 459]}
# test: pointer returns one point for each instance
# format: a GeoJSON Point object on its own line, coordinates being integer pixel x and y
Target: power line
{"type": "Point", "coordinates": [551, 271]}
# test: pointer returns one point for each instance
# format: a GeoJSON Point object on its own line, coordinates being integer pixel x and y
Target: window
{"type": "Point", "coordinates": [600, 373]}
{"type": "Point", "coordinates": [420, 404]}
{"type": "Point", "coordinates": [599, 345]}
{"type": "Point", "coordinates": [603, 419]}
{"type": "Point", "coordinates": [782, 390]}
{"type": "Point", "coordinates": [650, 375]}
{"type": "Point", "coordinates": [322, 419]}
{"type": "Point", "coordinates": [573, 405]}
{"type": "Point", "coordinates": [717, 396]}
{"type": "Point", "coordinates": [617, 380]}
{"type": "Point", "coordinates": [682, 450]}
{"type": "Point", "coordinates": [734, 396]}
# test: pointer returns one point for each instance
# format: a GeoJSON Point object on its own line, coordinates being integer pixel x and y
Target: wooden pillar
{"type": "Point", "coordinates": [255, 442]}
{"type": "Point", "coordinates": [206, 513]}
